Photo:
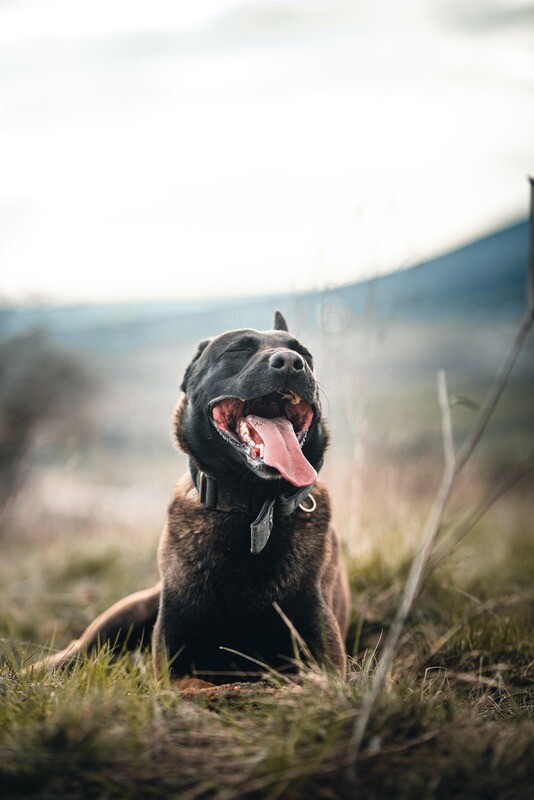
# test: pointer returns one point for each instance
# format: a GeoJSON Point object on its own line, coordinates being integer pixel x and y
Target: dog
{"type": "Point", "coordinates": [252, 576]}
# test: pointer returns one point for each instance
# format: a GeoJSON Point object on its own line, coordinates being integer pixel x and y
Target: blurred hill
{"type": "Point", "coordinates": [484, 280]}
{"type": "Point", "coordinates": [378, 345]}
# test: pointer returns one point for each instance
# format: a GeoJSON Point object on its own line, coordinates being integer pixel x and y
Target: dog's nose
{"type": "Point", "coordinates": [286, 362]}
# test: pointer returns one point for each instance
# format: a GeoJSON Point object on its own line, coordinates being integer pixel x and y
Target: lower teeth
{"type": "Point", "coordinates": [256, 451]}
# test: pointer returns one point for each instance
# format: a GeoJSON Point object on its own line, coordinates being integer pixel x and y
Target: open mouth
{"type": "Point", "coordinates": [269, 430]}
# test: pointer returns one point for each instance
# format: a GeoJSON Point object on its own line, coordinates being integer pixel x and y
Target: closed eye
{"type": "Point", "coordinates": [243, 346]}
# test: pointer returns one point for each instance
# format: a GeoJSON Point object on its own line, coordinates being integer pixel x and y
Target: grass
{"type": "Point", "coordinates": [455, 720]}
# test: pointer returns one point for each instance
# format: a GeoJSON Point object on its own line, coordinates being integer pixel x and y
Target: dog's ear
{"type": "Point", "coordinates": [279, 322]}
{"type": "Point", "coordinates": [201, 347]}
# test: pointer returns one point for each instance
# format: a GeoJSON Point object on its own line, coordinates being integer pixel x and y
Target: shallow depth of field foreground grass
{"type": "Point", "coordinates": [454, 721]}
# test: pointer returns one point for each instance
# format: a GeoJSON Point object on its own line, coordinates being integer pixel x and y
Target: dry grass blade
{"type": "Point", "coordinates": [446, 421]}
{"type": "Point", "coordinates": [415, 576]}
{"type": "Point", "coordinates": [530, 270]}
{"type": "Point", "coordinates": [498, 488]}
{"type": "Point", "coordinates": [453, 466]}
{"type": "Point", "coordinates": [495, 392]}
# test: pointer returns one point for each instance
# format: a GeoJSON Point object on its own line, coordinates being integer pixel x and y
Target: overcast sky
{"type": "Point", "coordinates": [164, 149]}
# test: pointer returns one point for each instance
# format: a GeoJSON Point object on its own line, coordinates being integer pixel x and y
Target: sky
{"type": "Point", "coordinates": [172, 150]}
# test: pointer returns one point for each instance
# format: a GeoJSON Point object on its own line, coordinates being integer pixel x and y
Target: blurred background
{"type": "Point", "coordinates": [169, 172]}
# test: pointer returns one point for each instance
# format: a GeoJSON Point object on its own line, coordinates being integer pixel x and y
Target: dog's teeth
{"type": "Point", "coordinates": [293, 398]}
{"type": "Point", "coordinates": [243, 431]}
{"type": "Point", "coordinates": [260, 450]}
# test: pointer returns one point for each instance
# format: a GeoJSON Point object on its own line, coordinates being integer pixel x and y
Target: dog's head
{"type": "Point", "coordinates": [251, 407]}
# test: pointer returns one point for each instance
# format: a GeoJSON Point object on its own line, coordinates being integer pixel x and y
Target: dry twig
{"type": "Point", "coordinates": [452, 468]}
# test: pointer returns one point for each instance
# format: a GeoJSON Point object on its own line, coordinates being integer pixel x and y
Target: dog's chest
{"type": "Point", "coordinates": [214, 566]}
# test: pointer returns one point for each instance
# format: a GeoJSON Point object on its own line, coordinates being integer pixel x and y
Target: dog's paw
{"type": "Point", "coordinates": [190, 687]}
{"type": "Point", "coordinates": [193, 688]}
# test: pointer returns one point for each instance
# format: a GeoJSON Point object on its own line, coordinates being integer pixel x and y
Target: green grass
{"type": "Point", "coordinates": [455, 719]}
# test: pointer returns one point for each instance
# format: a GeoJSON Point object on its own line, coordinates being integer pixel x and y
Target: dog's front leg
{"type": "Point", "coordinates": [322, 636]}
{"type": "Point", "coordinates": [169, 636]}
{"type": "Point", "coordinates": [336, 653]}
{"type": "Point", "coordinates": [169, 652]}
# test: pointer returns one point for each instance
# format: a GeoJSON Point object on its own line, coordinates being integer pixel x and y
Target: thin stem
{"type": "Point", "coordinates": [530, 266]}
{"type": "Point", "coordinates": [416, 573]}
{"type": "Point", "coordinates": [498, 488]}
{"type": "Point", "coordinates": [495, 392]}
{"type": "Point", "coordinates": [446, 421]}
{"type": "Point", "coordinates": [452, 468]}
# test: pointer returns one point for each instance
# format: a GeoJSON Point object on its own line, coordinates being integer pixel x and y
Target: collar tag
{"type": "Point", "coordinates": [261, 528]}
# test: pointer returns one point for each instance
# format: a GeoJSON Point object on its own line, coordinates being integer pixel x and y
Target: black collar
{"type": "Point", "coordinates": [216, 496]}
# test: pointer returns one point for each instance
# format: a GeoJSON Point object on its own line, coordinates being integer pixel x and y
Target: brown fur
{"type": "Point", "coordinates": [315, 551]}
{"type": "Point", "coordinates": [213, 594]}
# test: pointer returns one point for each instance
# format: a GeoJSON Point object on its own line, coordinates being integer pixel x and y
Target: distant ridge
{"type": "Point", "coordinates": [482, 280]}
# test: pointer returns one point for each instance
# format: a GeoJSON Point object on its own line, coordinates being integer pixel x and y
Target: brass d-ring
{"type": "Point", "coordinates": [312, 507]}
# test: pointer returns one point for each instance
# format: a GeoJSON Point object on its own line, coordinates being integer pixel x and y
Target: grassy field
{"type": "Point", "coordinates": [455, 720]}
{"type": "Point", "coordinates": [455, 717]}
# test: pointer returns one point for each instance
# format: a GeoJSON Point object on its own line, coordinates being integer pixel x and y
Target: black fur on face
{"type": "Point", "coordinates": [235, 371]}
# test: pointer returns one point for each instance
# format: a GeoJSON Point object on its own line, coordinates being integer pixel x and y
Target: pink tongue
{"type": "Point", "coordinates": [282, 450]}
